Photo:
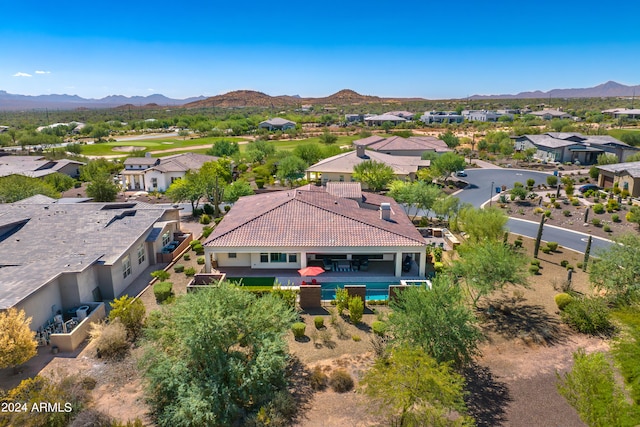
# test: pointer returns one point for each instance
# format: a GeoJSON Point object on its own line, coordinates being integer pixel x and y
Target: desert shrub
{"type": "Point", "coordinates": [200, 260]}
{"type": "Point", "coordinates": [566, 213]}
{"type": "Point", "coordinates": [194, 243]}
{"type": "Point", "coordinates": [178, 268]}
{"type": "Point", "coordinates": [557, 205]}
{"type": "Point", "coordinates": [326, 336]}
{"type": "Point", "coordinates": [161, 275]}
{"type": "Point", "coordinates": [589, 315]}
{"type": "Point", "coordinates": [575, 202]}
{"type": "Point", "coordinates": [197, 212]}
{"type": "Point", "coordinates": [92, 417]}
{"type": "Point", "coordinates": [598, 208]}
{"type": "Point", "coordinates": [342, 300]}
{"type": "Point", "coordinates": [596, 222]}
{"type": "Point", "coordinates": [227, 208]}
{"type": "Point", "coordinates": [208, 209]}
{"type": "Point", "coordinates": [162, 291]}
{"type": "Point", "coordinates": [534, 269]}
{"type": "Point", "coordinates": [518, 242]}
{"type": "Point", "coordinates": [545, 249]}
{"type": "Point", "coordinates": [198, 249]}
{"type": "Point", "coordinates": [206, 231]}
{"type": "Point", "coordinates": [538, 210]}
{"type": "Point", "coordinates": [186, 257]}
{"type": "Point", "coordinates": [607, 228]}
{"type": "Point", "coordinates": [205, 219]}
{"type": "Point", "coordinates": [356, 310]}
{"type": "Point", "coordinates": [110, 339]}
{"type": "Point", "coordinates": [379, 328]}
{"type": "Point", "coordinates": [580, 265]}
{"type": "Point", "coordinates": [624, 194]}
{"type": "Point", "coordinates": [553, 246]}
{"type": "Point", "coordinates": [564, 263]}
{"type": "Point", "coordinates": [547, 213]}
{"type": "Point", "coordinates": [341, 328]}
{"type": "Point", "coordinates": [356, 338]}
{"type": "Point", "coordinates": [535, 262]}
{"type": "Point", "coordinates": [570, 267]}
{"type": "Point", "coordinates": [615, 218]}
{"type": "Point", "coordinates": [130, 311]}
{"type": "Point", "coordinates": [319, 322]}
{"type": "Point", "coordinates": [438, 266]}
{"type": "Point", "coordinates": [190, 271]}
{"type": "Point", "coordinates": [340, 381]}
{"type": "Point", "coordinates": [318, 380]}
{"type": "Point", "coordinates": [298, 329]}
{"type": "Point", "coordinates": [562, 300]}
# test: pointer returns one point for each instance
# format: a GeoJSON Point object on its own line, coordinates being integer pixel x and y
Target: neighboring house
{"type": "Point", "coordinates": [398, 146]}
{"type": "Point", "coordinates": [484, 115]}
{"type": "Point", "coordinates": [573, 147]}
{"type": "Point", "coordinates": [383, 118]}
{"type": "Point", "coordinates": [353, 118]}
{"type": "Point", "coordinates": [54, 257]}
{"type": "Point", "coordinates": [77, 126]}
{"type": "Point", "coordinates": [277, 124]}
{"type": "Point", "coordinates": [626, 175]}
{"type": "Point", "coordinates": [4, 129]}
{"type": "Point", "coordinates": [38, 166]}
{"type": "Point", "coordinates": [629, 113]}
{"type": "Point", "coordinates": [287, 229]}
{"type": "Point", "coordinates": [550, 114]}
{"type": "Point", "coordinates": [340, 167]}
{"type": "Point", "coordinates": [404, 114]}
{"type": "Point", "coordinates": [441, 117]}
{"type": "Point", "coordinates": [157, 173]}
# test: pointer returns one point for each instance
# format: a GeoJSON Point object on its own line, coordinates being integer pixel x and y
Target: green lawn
{"type": "Point", "coordinates": [107, 148]}
{"type": "Point", "coordinates": [288, 145]}
{"type": "Point", "coordinates": [254, 282]}
{"type": "Point", "coordinates": [617, 133]}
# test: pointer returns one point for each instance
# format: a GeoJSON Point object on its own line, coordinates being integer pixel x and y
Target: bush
{"type": "Point", "coordinates": [379, 328]}
{"type": "Point", "coordinates": [615, 218]}
{"type": "Point", "coordinates": [200, 260]}
{"type": "Point", "coordinates": [130, 312]}
{"type": "Point", "coordinates": [342, 300]}
{"type": "Point", "coordinates": [538, 210]}
{"type": "Point", "coordinates": [208, 209]}
{"type": "Point", "coordinates": [318, 379]}
{"type": "Point", "coordinates": [552, 180]}
{"type": "Point", "coordinates": [356, 309]}
{"type": "Point", "coordinates": [186, 257]}
{"type": "Point", "coordinates": [547, 213]}
{"type": "Point", "coordinates": [570, 267]}
{"type": "Point", "coordinates": [566, 213]}
{"type": "Point", "coordinates": [607, 228]}
{"type": "Point", "coordinates": [194, 243]}
{"type": "Point", "coordinates": [190, 271]}
{"type": "Point", "coordinates": [356, 338]}
{"type": "Point", "coordinates": [162, 291]}
{"type": "Point", "coordinates": [227, 208]}
{"type": "Point", "coordinates": [575, 202]}
{"type": "Point", "coordinates": [598, 208]}
{"type": "Point", "coordinates": [206, 231]}
{"type": "Point", "coordinates": [518, 242]}
{"type": "Point", "coordinates": [596, 222]}
{"type": "Point", "coordinates": [161, 275]}
{"type": "Point", "coordinates": [564, 263]}
{"type": "Point", "coordinates": [340, 381]}
{"type": "Point", "coordinates": [298, 329]}
{"type": "Point", "coordinates": [198, 249]}
{"type": "Point", "coordinates": [553, 246]}
{"type": "Point", "coordinates": [319, 322]}
{"type": "Point", "coordinates": [534, 269]}
{"type": "Point", "coordinates": [535, 262]}
{"type": "Point", "coordinates": [178, 268]}
{"type": "Point", "coordinates": [545, 249]}
{"type": "Point", "coordinates": [205, 219]}
{"type": "Point", "coordinates": [110, 339]}
{"type": "Point", "coordinates": [580, 265]}
{"type": "Point", "coordinates": [587, 315]}
{"type": "Point", "coordinates": [562, 300]}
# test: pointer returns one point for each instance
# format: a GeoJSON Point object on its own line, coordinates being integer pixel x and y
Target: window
{"type": "Point", "coordinates": [165, 239]}
{"type": "Point", "coordinates": [293, 257]}
{"type": "Point", "coordinates": [278, 257]}
{"type": "Point", "coordinates": [264, 257]}
{"type": "Point", "coordinates": [141, 254]}
{"type": "Point", "coordinates": [126, 266]}
{"type": "Point", "coordinates": [173, 178]}
{"type": "Point", "coordinates": [232, 255]}
{"type": "Point", "coordinates": [154, 182]}
{"type": "Point", "coordinates": [341, 178]}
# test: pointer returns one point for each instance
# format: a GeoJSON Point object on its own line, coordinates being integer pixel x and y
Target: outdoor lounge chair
{"type": "Point", "coordinates": [364, 264]}
{"type": "Point", "coordinates": [327, 264]}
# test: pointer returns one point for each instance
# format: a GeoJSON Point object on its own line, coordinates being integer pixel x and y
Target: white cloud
{"type": "Point", "coordinates": [21, 74]}
{"type": "Point", "coordinates": [150, 90]}
{"type": "Point", "coordinates": [43, 72]}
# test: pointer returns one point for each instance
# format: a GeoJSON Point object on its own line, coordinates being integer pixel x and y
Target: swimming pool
{"type": "Point", "coordinates": [375, 290]}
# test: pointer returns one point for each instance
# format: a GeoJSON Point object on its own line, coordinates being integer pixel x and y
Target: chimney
{"type": "Point", "coordinates": [385, 211]}
{"type": "Point", "coordinates": [360, 151]}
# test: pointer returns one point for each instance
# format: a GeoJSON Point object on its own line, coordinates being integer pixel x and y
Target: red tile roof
{"type": "Point", "coordinates": [307, 217]}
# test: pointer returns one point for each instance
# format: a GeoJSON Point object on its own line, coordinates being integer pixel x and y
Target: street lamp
{"type": "Point", "coordinates": [491, 194]}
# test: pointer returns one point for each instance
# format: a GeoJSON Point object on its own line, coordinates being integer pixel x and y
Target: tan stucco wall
{"type": "Point", "coordinates": [71, 341]}
{"type": "Point", "coordinates": [241, 260]}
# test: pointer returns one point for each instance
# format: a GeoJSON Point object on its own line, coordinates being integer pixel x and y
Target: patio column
{"type": "Point", "coordinates": [398, 264]}
{"type": "Point", "coordinates": [422, 266]}
{"type": "Point", "coordinates": [303, 259]}
{"type": "Point", "coordinates": [207, 262]}
{"type": "Point", "coordinates": [141, 178]}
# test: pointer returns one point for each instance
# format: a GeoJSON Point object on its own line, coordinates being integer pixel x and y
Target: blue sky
{"type": "Point", "coordinates": [425, 48]}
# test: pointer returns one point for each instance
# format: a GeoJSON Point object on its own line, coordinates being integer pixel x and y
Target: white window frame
{"type": "Point", "coordinates": [126, 267]}
{"type": "Point", "coordinates": [141, 254]}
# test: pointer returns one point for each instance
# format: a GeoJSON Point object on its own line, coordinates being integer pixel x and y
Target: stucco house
{"type": "Point", "coordinates": [289, 229]}
{"type": "Point", "coordinates": [626, 175]}
{"type": "Point", "coordinates": [277, 123]}
{"type": "Point", "coordinates": [441, 117]}
{"type": "Point", "coordinates": [616, 113]}
{"type": "Point", "coordinates": [38, 166]}
{"type": "Point", "coordinates": [340, 167]}
{"type": "Point", "coordinates": [484, 115]}
{"type": "Point", "coordinates": [550, 114]}
{"type": "Point", "coordinates": [157, 173]}
{"type": "Point", "coordinates": [399, 146]}
{"type": "Point", "coordinates": [571, 147]}
{"type": "Point", "coordinates": [56, 257]}
{"type": "Point", "coordinates": [383, 118]}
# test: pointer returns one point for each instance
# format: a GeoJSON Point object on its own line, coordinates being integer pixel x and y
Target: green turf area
{"type": "Point", "coordinates": [288, 145]}
{"type": "Point", "coordinates": [107, 148]}
{"type": "Point", "coordinates": [617, 133]}
{"type": "Point", "coordinates": [266, 282]}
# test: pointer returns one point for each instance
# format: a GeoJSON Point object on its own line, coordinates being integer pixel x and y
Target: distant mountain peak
{"type": "Point", "coordinates": [604, 90]}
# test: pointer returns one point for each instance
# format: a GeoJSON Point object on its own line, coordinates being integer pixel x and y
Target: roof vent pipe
{"type": "Point", "coordinates": [385, 211]}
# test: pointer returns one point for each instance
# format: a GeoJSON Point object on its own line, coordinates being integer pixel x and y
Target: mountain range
{"type": "Point", "coordinates": [604, 90]}
{"type": "Point", "coordinates": [249, 98]}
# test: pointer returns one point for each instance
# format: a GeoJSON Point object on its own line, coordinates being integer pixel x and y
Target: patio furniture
{"type": "Point", "coordinates": [364, 264]}
{"type": "Point", "coordinates": [406, 264]}
{"type": "Point", "coordinates": [327, 264]}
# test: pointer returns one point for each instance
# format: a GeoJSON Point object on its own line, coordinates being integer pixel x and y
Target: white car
{"type": "Point", "coordinates": [461, 173]}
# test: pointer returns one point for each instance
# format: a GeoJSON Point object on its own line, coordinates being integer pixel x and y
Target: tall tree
{"type": "Point", "coordinates": [185, 189]}
{"type": "Point", "coordinates": [375, 175]}
{"type": "Point", "coordinates": [215, 356]}
{"type": "Point", "coordinates": [489, 265]}
{"type": "Point", "coordinates": [17, 340]}
{"type": "Point", "coordinates": [452, 335]}
{"type": "Point", "coordinates": [291, 168]}
{"type": "Point", "coordinates": [617, 270]}
{"type": "Point", "coordinates": [310, 152]}
{"type": "Point", "coordinates": [223, 147]}
{"type": "Point", "coordinates": [415, 195]}
{"type": "Point", "coordinates": [211, 180]}
{"type": "Point", "coordinates": [446, 164]}
{"type": "Point", "coordinates": [414, 390]}
{"type": "Point", "coordinates": [237, 189]}
{"type": "Point", "coordinates": [483, 224]}
{"type": "Point", "coordinates": [102, 188]}
{"type": "Point", "coordinates": [18, 187]}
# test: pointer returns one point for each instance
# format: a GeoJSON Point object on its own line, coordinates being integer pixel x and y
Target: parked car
{"type": "Point", "coordinates": [583, 189]}
{"type": "Point", "coordinates": [461, 173]}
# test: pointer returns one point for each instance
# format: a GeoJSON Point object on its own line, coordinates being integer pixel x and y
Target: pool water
{"type": "Point", "coordinates": [375, 291]}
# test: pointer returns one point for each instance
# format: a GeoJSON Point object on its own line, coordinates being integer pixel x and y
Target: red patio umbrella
{"type": "Point", "coordinates": [311, 271]}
